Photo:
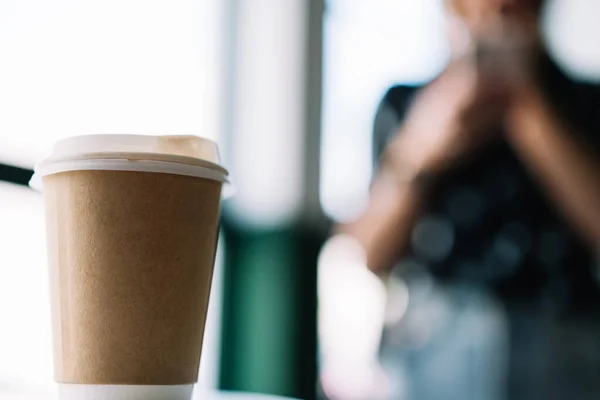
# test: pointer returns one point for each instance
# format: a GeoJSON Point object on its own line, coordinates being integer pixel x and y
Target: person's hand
{"type": "Point", "coordinates": [449, 120]}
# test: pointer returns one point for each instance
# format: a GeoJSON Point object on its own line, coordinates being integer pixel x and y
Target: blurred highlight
{"type": "Point", "coordinates": [351, 315]}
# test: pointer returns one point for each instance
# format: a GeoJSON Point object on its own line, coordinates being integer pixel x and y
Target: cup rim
{"type": "Point", "coordinates": [186, 155]}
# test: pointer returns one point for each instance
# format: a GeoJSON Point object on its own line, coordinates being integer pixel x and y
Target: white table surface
{"type": "Point", "coordinates": [197, 396]}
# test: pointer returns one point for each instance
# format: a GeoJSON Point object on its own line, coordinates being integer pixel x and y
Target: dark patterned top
{"type": "Point", "coordinates": [490, 223]}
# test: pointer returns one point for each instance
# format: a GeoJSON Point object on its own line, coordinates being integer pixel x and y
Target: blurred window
{"type": "Point", "coordinates": [25, 341]}
{"type": "Point", "coordinates": [133, 66]}
{"type": "Point", "coordinates": [369, 46]}
{"type": "Point", "coordinates": [268, 112]}
{"type": "Point", "coordinates": [571, 29]}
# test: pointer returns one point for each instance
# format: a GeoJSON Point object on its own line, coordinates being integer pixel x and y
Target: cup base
{"type": "Point", "coordinates": [124, 392]}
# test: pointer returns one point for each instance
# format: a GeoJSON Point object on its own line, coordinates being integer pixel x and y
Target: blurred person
{"type": "Point", "coordinates": [488, 175]}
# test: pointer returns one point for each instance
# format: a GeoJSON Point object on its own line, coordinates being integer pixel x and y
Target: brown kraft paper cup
{"type": "Point", "coordinates": [131, 258]}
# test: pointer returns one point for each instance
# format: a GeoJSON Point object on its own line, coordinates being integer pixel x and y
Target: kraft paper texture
{"type": "Point", "coordinates": [131, 258]}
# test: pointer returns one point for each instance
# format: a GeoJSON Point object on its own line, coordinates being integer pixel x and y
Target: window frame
{"type": "Point", "coordinates": [14, 174]}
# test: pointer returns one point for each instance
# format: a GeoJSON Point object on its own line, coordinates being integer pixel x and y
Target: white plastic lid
{"type": "Point", "coordinates": [91, 146]}
{"type": "Point", "coordinates": [182, 155]}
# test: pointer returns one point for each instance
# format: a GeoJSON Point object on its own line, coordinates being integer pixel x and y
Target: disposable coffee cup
{"type": "Point", "coordinates": [132, 226]}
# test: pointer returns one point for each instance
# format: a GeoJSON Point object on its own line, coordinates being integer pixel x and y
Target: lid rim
{"type": "Point", "coordinates": [187, 149]}
{"type": "Point", "coordinates": [160, 167]}
{"type": "Point", "coordinates": [133, 157]}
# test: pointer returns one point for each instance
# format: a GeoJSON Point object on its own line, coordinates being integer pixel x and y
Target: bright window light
{"type": "Point", "coordinates": [115, 66]}
{"type": "Point", "coordinates": [25, 337]}
{"type": "Point", "coordinates": [572, 28]}
{"type": "Point", "coordinates": [369, 46]}
{"type": "Point", "coordinates": [268, 111]}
